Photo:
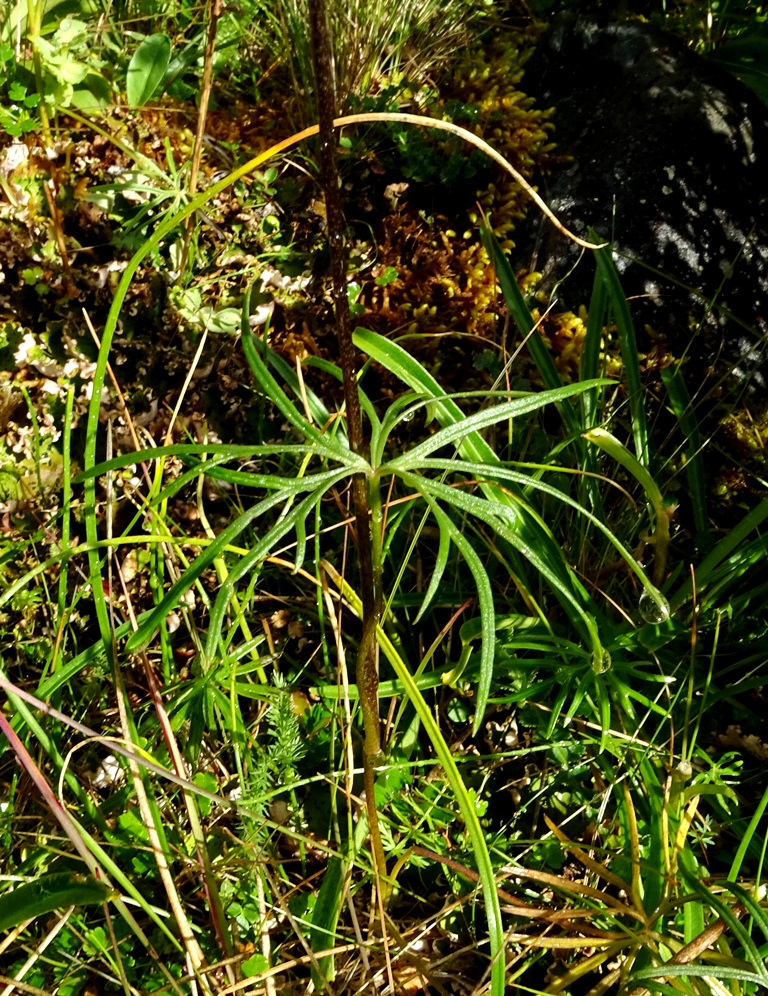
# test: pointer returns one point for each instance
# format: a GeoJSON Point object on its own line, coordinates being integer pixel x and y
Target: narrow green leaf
{"type": "Point", "coordinates": [654, 880]}
{"type": "Point", "coordinates": [628, 346]}
{"type": "Point", "coordinates": [481, 472]}
{"type": "Point", "coordinates": [258, 552]}
{"type": "Point", "coordinates": [485, 604]}
{"type": "Point", "coordinates": [576, 698]}
{"type": "Point", "coordinates": [325, 918]}
{"type": "Point", "coordinates": [317, 409]}
{"type": "Point", "coordinates": [589, 361]}
{"type": "Point", "coordinates": [470, 424]}
{"type": "Point", "coordinates": [49, 893]}
{"type": "Point", "coordinates": [401, 409]}
{"type": "Point", "coordinates": [526, 534]}
{"type": "Point", "coordinates": [698, 972]}
{"type": "Point", "coordinates": [216, 453]}
{"type": "Point", "coordinates": [747, 837]}
{"type": "Point", "coordinates": [253, 349]}
{"type": "Point", "coordinates": [680, 400]}
{"type": "Point", "coordinates": [719, 554]}
{"type": "Point", "coordinates": [141, 637]}
{"type": "Point", "coordinates": [758, 914]}
{"type": "Point", "coordinates": [563, 693]}
{"type": "Point", "coordinates": [611, 445]}
{"type": "Point", "coordinates": [604, 702]}
{"type": "Point", "coordinates": [522, 317]}
{"type": "Point", "coordinates": [473, 447]}
{"type": "Point", "coordinates": [441, 562]}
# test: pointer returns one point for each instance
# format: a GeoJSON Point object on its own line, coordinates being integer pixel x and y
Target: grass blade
{"type": "Point", "coordinates": [522, 317]}
{"type": "Point", "coordinates": [727, 546]}
{"type": "Point", "coordinates": [589, 361]}
{"type": "Point", "coordinates": [628, 347]}
{"type": "Point", "coordinates": [140, 639]}
{"type": "Point", "coordinates": [680, 400]}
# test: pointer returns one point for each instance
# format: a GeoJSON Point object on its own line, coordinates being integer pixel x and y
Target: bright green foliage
{"type": "Point", "coordinates": [18, 97]}
{"type": "Point", "coordinates": [48, 893]}
{"type": "Point", "coordinates": [549, 672]}
{"type": "Point", "coordinates": [147, 69]}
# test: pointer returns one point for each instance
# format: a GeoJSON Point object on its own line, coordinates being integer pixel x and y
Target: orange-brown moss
{"type": "Point", "coordinates": [488, 78]}
{"type": "Point", "coordinates": [446, 283]}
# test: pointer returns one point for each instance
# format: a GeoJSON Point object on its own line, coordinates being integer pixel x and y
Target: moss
{"type": "Point", "coordinates": [445, 281]}
{"type": "Point", "coordinates": [489, 78]}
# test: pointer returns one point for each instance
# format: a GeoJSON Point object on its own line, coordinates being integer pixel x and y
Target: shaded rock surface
{"type": "Point", "coordinates": [670, 162]}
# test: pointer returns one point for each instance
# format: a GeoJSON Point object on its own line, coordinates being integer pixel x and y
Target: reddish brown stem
{"type": "Point", "coordinates": [367, 658]}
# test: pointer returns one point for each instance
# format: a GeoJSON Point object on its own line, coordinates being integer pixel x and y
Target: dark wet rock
{"type": "Point", "coordinates": [670, 159]}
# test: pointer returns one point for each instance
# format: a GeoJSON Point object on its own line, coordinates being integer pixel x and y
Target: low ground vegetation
{"type": "Point", "coordinates": [568, 614]}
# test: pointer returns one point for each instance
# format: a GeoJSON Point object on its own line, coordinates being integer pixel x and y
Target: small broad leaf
{"type": "Point", "coordinates": [66, 70]}
{"type": "Point", "coordinates": [71, 32]}
{"type": "Point", "coordinates": [44, 48]}
{"type": "Point", "coordinates": [147, 69]}
{"type": "Point", "coordinates": [17, 91]}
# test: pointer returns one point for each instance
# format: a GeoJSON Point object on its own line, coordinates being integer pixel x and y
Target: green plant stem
{"type": "Point", "coordinates": [464, 797]}
{"type": "Point", "coordinates": [34, 24]}
{"type": "Point", "coordinates": [365, 490]}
